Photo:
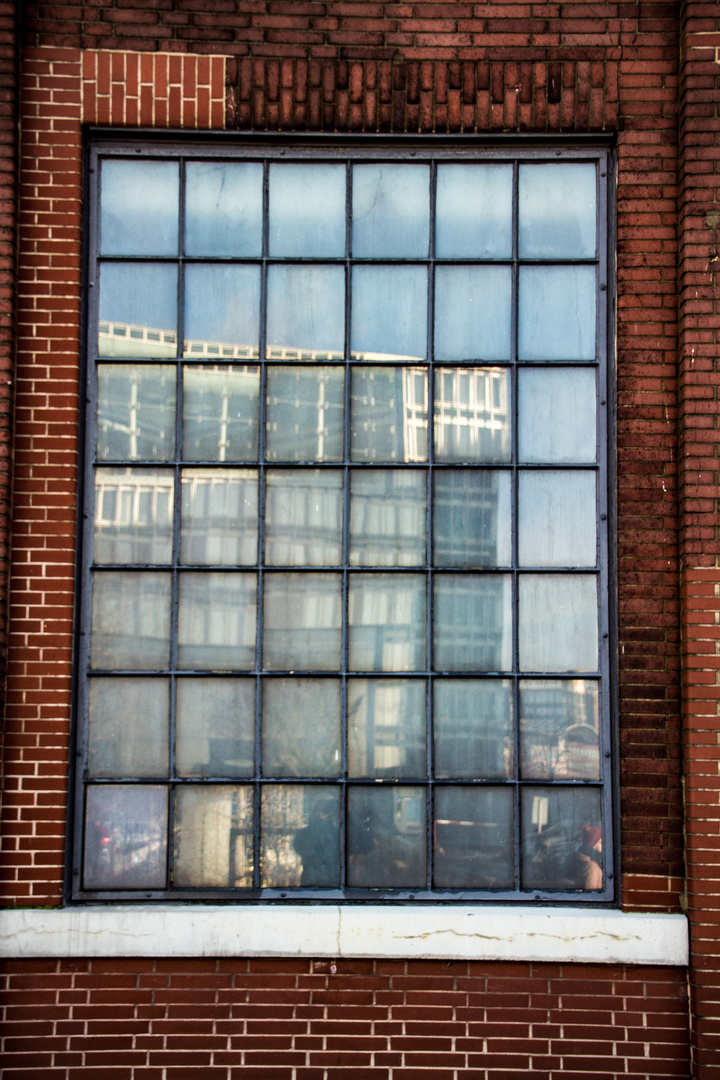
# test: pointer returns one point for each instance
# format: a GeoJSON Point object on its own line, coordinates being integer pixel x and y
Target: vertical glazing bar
{"type": "Point", "coordinates": [177, 503]}
{"type": "Point", "coordinates": [262, 439]}
{"type": "Point", "coordinates": [430, 800]}
{"type": "Point", "coordinates": [604, 524]}
{"type": "Point", "coordinates": [346, 529]}
{"type": "Point", "coordinates": [513, 372]}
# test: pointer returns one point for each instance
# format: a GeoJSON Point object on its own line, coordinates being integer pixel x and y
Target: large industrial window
{"type": "Point", "coordinates": [344, 627]}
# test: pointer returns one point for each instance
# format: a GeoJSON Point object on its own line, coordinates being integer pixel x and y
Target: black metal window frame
{"type": "Point", "coordinates": [432, 151]}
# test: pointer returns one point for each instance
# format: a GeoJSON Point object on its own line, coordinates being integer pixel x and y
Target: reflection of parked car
{"type": "Point", "coordinates": [559, 858]}
{"type": "Point", "coordinates": [101, 840]}
{"type": "Point", "coordinates": [472, 855]}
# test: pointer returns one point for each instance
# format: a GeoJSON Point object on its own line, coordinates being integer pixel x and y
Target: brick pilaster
{"type": "Point", "coordinates": [699, 431]}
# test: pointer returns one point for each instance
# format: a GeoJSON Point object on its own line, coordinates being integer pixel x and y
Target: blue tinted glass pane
{"type": "Point", "coordinates": [556, 408]}
{"type": "Point", "coordinates": [472, 312]}
{"type": "Point", "coordinates": [306, 312]}
{"type": "Point", "coordinates": [390, 211]}
{"type": "Point", "coordinates": [556, 210]}
{"type": "Point", "coordinates": [474, 211]}
{"type": "Point", "coordinates": [305, 409]}
{"type": "Point", "coordinates": [389, 312]}
{"type": "Point", "coordinates": [138, 310]}
{"type": "Point", "coordinates": [473, 622]}
{"type": "Point", "coordinates": [222, 310]}
{"type": "Point", "coordinates": [557, 313]}
{"type": "Point", "coordinates": [558, 622]}
{"type": "Point", "coordinates": [388, 414]}
{"type": "Point", "coordinates": [307, 210]}
{"type": "Point", "coordinates": [139, 208]}
{"type": "Point", "coordinates": [136, 412]}
{"type": "Point", "coordinates": [223, 208]}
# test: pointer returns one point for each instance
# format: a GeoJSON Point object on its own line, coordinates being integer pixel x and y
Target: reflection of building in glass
{"type": "Point", "coordinates": [126, 339]}
{"type": "Point", "coordinates": [133, 515]}
{"type": "Point", "coordinates": [559, 729]}
{"type": "Point", "coordinates": [471, 414]}
{"type": "Point", "coordinates": [213, 837]}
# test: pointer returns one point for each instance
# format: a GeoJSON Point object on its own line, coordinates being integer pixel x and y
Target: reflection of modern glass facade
{"type": "Point", "coordinates": [346, 560]}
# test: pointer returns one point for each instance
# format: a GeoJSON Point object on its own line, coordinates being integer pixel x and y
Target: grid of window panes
{"type": "Point", "coordinates": [344, 629]}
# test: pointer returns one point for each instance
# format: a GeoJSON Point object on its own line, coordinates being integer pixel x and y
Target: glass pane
{"type": "Point", "coordinates": [301, 727]}
{"type": "Point", "coordinates": [387, 517]}
{"type": "Point", "coordinates": [138, 310]}
{"type": "Point", "coordinates": [133, 516]}
{"type": "Point", "coordinates": [474, 838]}
{"type": "Point", "coordinates": [562, 838]}
{"type": "Point", "coordinates": [302, 622]}
{"type": "Point", "coordinates": [556, 409]}
{"type": "Point", "coordinates": [386, 837]}
{"type": "Point", "coordinates": [130, 620]}
{"type": "Point", "coordinates": [557, 313]}
{"type": "Point", "coordinates": [387, 622]}
{"type": "Point", "coordinates": [472, 414]}
{"type": "Point", "coordinates": [222, 311]}
{"type": "Point", "coordinates": [307, 210]}
{"type": "Point", "coordinates": [125, 837]}
{"type": "Point", "coordinates": [216, 621]}
{"type": "Point", "coordinates": [391, 211]}
{"type": "Point", "coordinates": [223, 208]}
{"type": "Point", "coordinates": [303, 517]}
{"type": "Point", "coordinates": [387, 728]}
{"type": "Point", "coordinates": [221, 413]}
{"type": "Point", "coordinates": [474, 211]}
{"type": "Point", "coordinates": [558, 622]}
{"type": "Point", "coordinates": [300, 836]}
{"type": "Point", "coordinates": [473, 728]}
{"type": "Point", "coordinates": [559, 729]}
{"type": "Point", "coordinates": [219, 517]}
{"type": "Point", "coordinates": [215, 727]}
{"type": "Point", "coordinates": [388, 414]}
{"type": "Point", "coordinates": [556, 210]}
{"type": "Point", "coordinates": [139, 208]}
{"type": "Point", "coordinates": [472, 312]}
{"type": "Point", "coordinates": [136, 413]}
{"type": "Point", "coordinates": [473, 622]}
{"type": "Point", "coordinates": [213, 836]}
{"type": "Point", "coordinates": [306, 313]}
{"type": "Point", "coordinates": [128, 727]}
{"type": "Point", "coordinates": [305, 409]}
{"type": "Point", "coordinates": [556, 518]}
{"type": "Point", "coordinates": [389, 312]}
{"type": "Point", "coordinates": [472, 522]}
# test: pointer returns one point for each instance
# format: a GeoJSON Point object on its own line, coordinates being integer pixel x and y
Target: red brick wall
{"type": "Point", "coordinates": [300, 1020]}
{"type": "Point", "coordinates": [357, 66]}
{"type": "Point", "coordinates": [351, 67]}
{"type": "Point", "coordinates": [699, 369]}
{"type": "Point", "coordinates": [9, 80]}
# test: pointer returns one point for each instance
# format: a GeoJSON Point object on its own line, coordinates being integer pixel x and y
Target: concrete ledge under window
{"type": "Point", "coordinates": [441, 933]}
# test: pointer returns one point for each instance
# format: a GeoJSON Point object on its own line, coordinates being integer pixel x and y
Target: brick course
{"type": "Point", "coordinates": [300, 1020]}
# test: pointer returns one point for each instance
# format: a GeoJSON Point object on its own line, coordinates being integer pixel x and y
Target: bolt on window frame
{"type": "Point", "coordinates": [432, 152]}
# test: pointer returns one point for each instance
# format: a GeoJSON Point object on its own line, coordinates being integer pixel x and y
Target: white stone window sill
{"type": "Point", "coordinates": [439, 933]}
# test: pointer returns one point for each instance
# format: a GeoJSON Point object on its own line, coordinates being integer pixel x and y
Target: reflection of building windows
{"type": "Point", "coordinates": [345, 618]}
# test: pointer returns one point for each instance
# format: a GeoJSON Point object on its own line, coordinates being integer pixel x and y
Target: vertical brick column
{"type": "Point", "coordinates": [699, 430]}
{"type": "Point", "coordinates": [9, 81]}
